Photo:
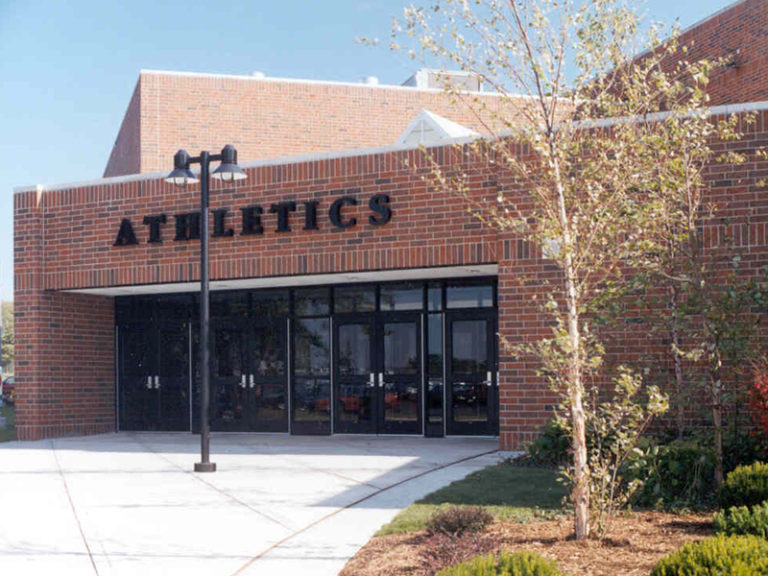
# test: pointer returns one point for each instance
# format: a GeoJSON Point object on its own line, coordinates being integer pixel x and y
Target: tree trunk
{"type": "Point", "coordinates": [580, 492]}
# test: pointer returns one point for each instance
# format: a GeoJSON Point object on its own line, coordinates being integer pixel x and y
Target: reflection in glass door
{"type": "Point", "coordinates": [400, 377]}
{"type": "Point", "coordinates": [472, 391]}
{"type": "Point", "coordinates": [229, 380]}
{"type": "Point", "coordinates": [355, 378]}
{"type": "Point", "coordinates": [311, 355]}
{"type": "Point", "coordinates": [265, 395]}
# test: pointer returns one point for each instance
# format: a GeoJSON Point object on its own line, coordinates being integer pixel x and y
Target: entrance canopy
{"type": "Point", "coordinates": [442, 272]}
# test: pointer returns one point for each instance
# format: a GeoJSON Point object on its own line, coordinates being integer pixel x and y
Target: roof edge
{"type": "Point", "coordinates": [306, 81]}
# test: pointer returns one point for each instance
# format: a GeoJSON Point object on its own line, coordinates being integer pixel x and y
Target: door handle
{"type": "Point", "coordinates": [489, 378]}
{"type": "Point", "coordinates": [372, 380]}
{"type": "Point", "coordinates": [157, 382]}
{"type": "Point", "coordinates": [242, 381]}
{"type": "Point", "coordinates": [149, 382]}
{"type": "Point", "coordinates": [381, 379]}
{"type": "Point", "coordinates": [252, 382]}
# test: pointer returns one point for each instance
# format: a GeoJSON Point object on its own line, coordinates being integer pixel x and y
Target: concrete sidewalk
{"type": "Point", "coordinates": [128, 504]}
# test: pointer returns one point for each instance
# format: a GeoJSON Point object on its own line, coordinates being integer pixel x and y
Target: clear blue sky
{"type": "Point", "coordinates": [67, 69]}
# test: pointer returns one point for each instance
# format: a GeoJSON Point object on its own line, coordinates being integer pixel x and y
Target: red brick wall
{"type": "Point", "coordinates": [64, 343]}
{"type": "Point", "coordinates": [427, 228]}
{"type": "Point", "coordinates": [742, 27]}
{"type": "Point", "coordinates": [271, 118]}
{"type": "Point", "coordinates": [125, 157]}
{"type": "Point", "coordinates": [64, 241]}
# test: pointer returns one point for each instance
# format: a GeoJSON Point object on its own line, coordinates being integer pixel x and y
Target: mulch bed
{"type": "Point", "coordinates": [634, 545]}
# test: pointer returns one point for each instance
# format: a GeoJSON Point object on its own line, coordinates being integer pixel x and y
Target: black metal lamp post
{"type": "Point", "coordinates": [181, 175]}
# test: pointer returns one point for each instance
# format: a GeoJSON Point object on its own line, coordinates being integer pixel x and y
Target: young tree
{"type": "Point", "coordinates": [706, 297]}
{"type": "Point", "coordinates": [568, 155]}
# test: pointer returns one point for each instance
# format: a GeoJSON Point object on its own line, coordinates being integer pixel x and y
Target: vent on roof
{"type": "Point", "coordinates": [429, 78]}
{"type": "Point", "coordinates": [371, 81]}
{"type": "Point", "coordinates": [429, 128]}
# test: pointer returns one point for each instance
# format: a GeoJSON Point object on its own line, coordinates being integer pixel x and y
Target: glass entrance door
{"type": "Point", "coordinates": [249, 377]}
{"type": "Point", "coordinates": [311, 355]}
{"type": "Point", "coordinates": [378, 374]}
{"type": "Point", "coordinates": [355, 376]}
{"type": "Point", "coordinates": [229, 378]}
{"type": "Point", "coordinates": [154, 377]}
{"type": "Point", "coordinates": [172, 382]}
{"type": "Point", "coordinates": [400, 374]}
{"type": "Point", "coordinates": [472, 393]}
{"type": "Point", "coordinates": [137, 372]}
{"type": "Point", "coordinates": [265, 393]}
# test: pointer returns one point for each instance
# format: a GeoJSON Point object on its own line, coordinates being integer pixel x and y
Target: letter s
{"type": "Point", "coordinates": [379, 204]}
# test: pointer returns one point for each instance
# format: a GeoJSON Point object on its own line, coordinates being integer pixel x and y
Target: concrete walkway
{"type": "Point", "coordinates": [128, 504]}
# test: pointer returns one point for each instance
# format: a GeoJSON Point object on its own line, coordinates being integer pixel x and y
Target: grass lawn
{"type": "Point", "coordinates": [508, 492]}
{"type": "Point", "coordinates": [9, 432]}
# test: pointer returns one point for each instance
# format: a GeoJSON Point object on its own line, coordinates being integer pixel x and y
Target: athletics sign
{"type": "Point", "coordinates": [187, 226]}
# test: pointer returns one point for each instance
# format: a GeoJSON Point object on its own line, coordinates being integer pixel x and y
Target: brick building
{"type": "Point", "coordinates": [348, 297]}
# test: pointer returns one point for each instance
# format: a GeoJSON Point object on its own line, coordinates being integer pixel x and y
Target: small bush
{"type": "Point", "coordinates": [741, 450]}
{"type": "Point", "coordinates": [457, 520]}
{"type": "Point", "coordinates": [743, 520]}
{"type": "Point", "coordinates": [745, 486]}
{"type": "Point", "coordinates": [717, 556]}
{"type": "Point", "coordinates": [551, 447]}
{"type": "Point", "coordinates": [517, 564]}
{"type": "Point", "coordinates": [678, 474]}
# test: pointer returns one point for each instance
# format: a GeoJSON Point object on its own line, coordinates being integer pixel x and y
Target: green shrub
{"type": "Point", "coordinates": [743, 520]}
{"type": "Point", "coordinates": [517, 564]}
{"type": "Point", "coordinates": [679, 473]}
{"type": "Point", "coordinates": [551, 447]}
{"type": "Point", "coordinates": [745, 486]}
{"type": "Point", "coordinates": [456, 520]}
{"type": "Point", "coordinates": [717, 556]}
{"type": "Point", "coordinates": [740, 450]}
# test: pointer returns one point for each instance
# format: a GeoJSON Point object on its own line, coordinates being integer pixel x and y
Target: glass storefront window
{"type": "Point", "coordinates": [269, 303]}
{"type": "Point", "coordinates": [312, 302]}
{"type": "Point", "coordinates": [354, 299]}
{"type": "Point", "coordinates": [312, 353]}
{"type": "Point", "coordinates": [469, 296]}
{"type": "Point", "coordinates": [228, 304]}
{"type": "Point", "coordinates": [408, 297]}
{"type": "Point", "coordinates": [434, 298]}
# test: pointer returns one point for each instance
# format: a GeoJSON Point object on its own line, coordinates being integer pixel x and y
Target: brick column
{"type": "Point", "coordinates": [525, 400]}
{"type": "Point", "coordinates": [64, 342]}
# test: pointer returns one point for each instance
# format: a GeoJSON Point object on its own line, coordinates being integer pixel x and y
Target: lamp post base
{"type": "Point", "coordinates": [205, 467]}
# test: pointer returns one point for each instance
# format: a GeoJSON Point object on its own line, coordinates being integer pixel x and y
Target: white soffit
{"type": "Point", "coordinates": [298, 281]}
{"type": "Point", "coordinates": [429, 128]}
